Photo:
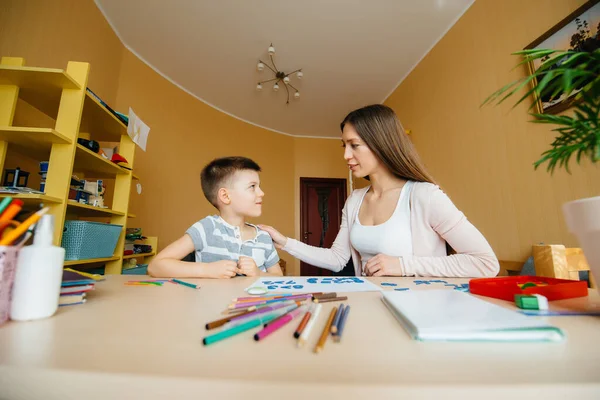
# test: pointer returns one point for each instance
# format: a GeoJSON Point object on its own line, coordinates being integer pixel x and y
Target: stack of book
{"type": "Point", "coordinates": [74, 287]}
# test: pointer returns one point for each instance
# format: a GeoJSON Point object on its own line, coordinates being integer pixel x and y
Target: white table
{"type": "Point", "coordinates": [145, 342]}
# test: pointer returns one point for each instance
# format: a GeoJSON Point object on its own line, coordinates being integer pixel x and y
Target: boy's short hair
{"type": "Point", "coordinates": [216, 172]}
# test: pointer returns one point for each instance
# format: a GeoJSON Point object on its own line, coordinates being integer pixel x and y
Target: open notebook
{"type": "Point", "coordinates": [450, 315]}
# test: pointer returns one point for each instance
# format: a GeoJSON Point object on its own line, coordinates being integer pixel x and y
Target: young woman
{"type": "Point", "coordinates": [400, 224]}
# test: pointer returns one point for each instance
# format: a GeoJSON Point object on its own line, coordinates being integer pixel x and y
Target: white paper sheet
{"type": "Point", "coordinates": [338, 284]}
{"type": "Point", "coordinates": [137, 130]}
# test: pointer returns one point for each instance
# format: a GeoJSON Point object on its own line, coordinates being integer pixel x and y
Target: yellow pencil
{"type": "Point", "coordinates": [326, 330]}
{"type": "Point", "coordinates": [22, 228]}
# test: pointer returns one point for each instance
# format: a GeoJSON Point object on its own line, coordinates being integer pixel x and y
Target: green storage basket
{"type": "Point", "coordinates": [84, 240]}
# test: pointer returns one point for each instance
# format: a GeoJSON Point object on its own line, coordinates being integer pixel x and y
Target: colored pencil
{"type": "Point", "coordinates": [4, 204]}
{"type": "Point", "coordinates": [258, 303]}
{"type": "Point", "coordinates": [341, 324]}
{"type": "Point", "coordinates": [11, 210]}
{"type": "Point", "coordinates": [342, 298]}
{"type": "Point", "coordinates": [282, 321]}
{"type": "Point", "coordinates": [23, 227]}
{"type": "Point", "coordinates": [303, 322]}
{"type": "Point", "coordinates": [311, 322]}
{"type": "Point", "coordinates": [326, 296]}
{"type": "Point", "coordinates": [276, 313]}
{"type": "Point", "coordinates": [253, 323]}
{"type": "Point", "coordinates": [326, 330]}
{"type": "Point", "coordinates": [223, 321]}
{"type": "Point", "coordinates": [262, 296]}
{"type": "Point", "coordinates": [238, 311]}
{"type": "Point", "coordinates": [264, 310]}
{"type": "Point", "coordinates": [143, 283]}
{"type": "Point", "coordinates": [191, 285]}
{"type": "Point", "coordinates": [336, 319]}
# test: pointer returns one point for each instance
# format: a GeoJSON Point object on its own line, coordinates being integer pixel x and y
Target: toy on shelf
{"type": "Point", "coordinates": [120, 161]}
{"type": "Point", "coordinates": [16, 177]}
{"type": "Point", "coordinates": [97, 189]}
{"type": "Point", "coordinates": [43, 172]}
{"type": "Point", "coordinates": [77, 191]}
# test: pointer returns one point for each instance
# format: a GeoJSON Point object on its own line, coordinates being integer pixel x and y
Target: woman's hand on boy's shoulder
{"type": "Point", "coordinates": [279, 240]}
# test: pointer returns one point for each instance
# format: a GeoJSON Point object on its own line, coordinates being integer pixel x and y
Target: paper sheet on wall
{"type": "Point", "coordinates": [137, 130]}
{"type": "Point", "coordinates": [342, 284]}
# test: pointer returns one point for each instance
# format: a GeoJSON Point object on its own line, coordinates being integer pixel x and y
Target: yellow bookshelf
{"type": "Point", "coordinates": [92, 261]}
{"type": "Point", "coordinates": [144, 258]}
{"type": "Point", "coordinates": [61, 94]}
{"type": "Point", "coordinates": [84, 210]}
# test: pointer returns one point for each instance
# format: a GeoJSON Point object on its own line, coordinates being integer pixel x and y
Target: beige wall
{"type": "Point", "coordinates": [315, 158]}
{"type": "Point", "coordinates": [49, 34]}
{"type": "Point", "coordinates": [483, 156]}
{"type": "Point", "coordinates": [185, 132]}
{"type": "Point", "coordinates": [185, 135]}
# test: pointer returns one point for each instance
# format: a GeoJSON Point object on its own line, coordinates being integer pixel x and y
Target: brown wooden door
{"type": "Point", "coordinates": [321, 203]}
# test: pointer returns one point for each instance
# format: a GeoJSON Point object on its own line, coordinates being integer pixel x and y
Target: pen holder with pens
{"type": "Point", "coordinates": [8, 266]}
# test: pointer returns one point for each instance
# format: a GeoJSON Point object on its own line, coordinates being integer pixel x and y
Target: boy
{"type": "Point", "coordinates": [225, 245]}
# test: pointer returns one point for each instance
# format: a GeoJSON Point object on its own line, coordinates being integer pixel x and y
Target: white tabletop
{"type": "Point", "coordinates": [147, 342]}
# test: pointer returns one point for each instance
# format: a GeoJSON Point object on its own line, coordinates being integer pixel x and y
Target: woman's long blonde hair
{"type": "Point", "coordinates": [381, 130]}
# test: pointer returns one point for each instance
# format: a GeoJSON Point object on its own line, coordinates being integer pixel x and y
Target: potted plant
{"type": "Point", "coordinates": [573, 74]}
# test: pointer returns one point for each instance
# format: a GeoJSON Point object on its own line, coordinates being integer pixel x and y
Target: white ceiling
{"type": "Point", "coordinates": [352, 52]}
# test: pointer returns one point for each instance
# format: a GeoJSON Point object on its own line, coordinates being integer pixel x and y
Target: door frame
{"type": "Point", "coordinates": [304, 198]}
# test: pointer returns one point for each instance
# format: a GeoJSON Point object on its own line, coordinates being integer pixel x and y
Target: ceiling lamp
{"type": "Point", "coordinates": [280, 76]}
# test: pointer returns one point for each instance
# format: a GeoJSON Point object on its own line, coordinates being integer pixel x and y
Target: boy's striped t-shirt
{"type": "Point", "coordinates": [215, 240]}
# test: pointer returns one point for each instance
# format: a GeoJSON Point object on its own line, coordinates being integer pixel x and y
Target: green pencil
{"type": "Point", "coordinates": [185, 283]}
{"type": "Point", "coordinates": [254, 323]}
{"type": "Point", "coordinates": [5, 202]}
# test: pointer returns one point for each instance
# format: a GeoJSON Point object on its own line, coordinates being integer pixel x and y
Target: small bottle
{"type": "Point", "coordinates": [38, 276]}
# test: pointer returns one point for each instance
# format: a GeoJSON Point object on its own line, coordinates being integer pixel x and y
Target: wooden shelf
{"type": "Point", "coordinates": [140, 255]}
{"type": "Point", "coordinates": [40, 87]}
{"type": "Point", "coordinates": [91, 261]}
{"type": "Point", "coordinates": [84, 210]}
{"type": "Point", "coordinates": [131, 215]}
{"type": "Point", "coordinates": [32, 199]}
{"type": "Point", "coordinates": [94, 165]}
{"type": "Point", "coordinates": [135, 177]}
{"type": "Point", "coordinates": [34, 142]}
{"type": "Point", "coordinates": [99, 122]}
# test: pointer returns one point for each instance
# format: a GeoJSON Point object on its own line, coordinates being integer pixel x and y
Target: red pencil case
{"type": "Point", "coordinates": [506, 287]}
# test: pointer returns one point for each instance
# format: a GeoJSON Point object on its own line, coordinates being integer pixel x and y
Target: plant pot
{"type": "Point", "coordinates": [583, 220]}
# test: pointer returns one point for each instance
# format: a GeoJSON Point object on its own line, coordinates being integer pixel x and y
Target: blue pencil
{"type": "Point", "coordinates": [336, 320]}
{"type": "Point", "coordinates": [341, 325]}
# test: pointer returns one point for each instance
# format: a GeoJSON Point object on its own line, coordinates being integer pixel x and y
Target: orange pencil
{"type": "Point", "coordinates": [11, 211]}
{"type": "Point", "coordinates": [326, 330]}
{"type": "Point", "coordinates": [22, 228]}
{"type": "Point", "coordinates": [302, 324]}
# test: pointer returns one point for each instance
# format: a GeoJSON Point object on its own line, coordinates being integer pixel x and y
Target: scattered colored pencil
{"type": "Point", "coordinates": [261, 297]}
{"type": "Point", "coordinates": [253, 323]}
{"type": "Point", "coordinates": [259, 303]}
{"type": "Point", "coordinates": [325, 334]}
{"type": "Point", "coordinates": [281, 321]}
{"type": "Point", "coordinates": [223, 321]}
{"type": "Point", "coordinates": [191, 285]}
{"type": "Point", "coordinates": [336, 319]}
{"type": "Point", "coordinates": [311, 322]}
{"type": "Point", "coordinates": [326, 296]}
{"type": "Point", "coordinates": [342, 298]}
{"type": "Point", "coordinates": [303, 322]}
{"type": "Point", "coordinates": [264, 310]}
{"type": "Point", "coordinates": [341, 324]}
